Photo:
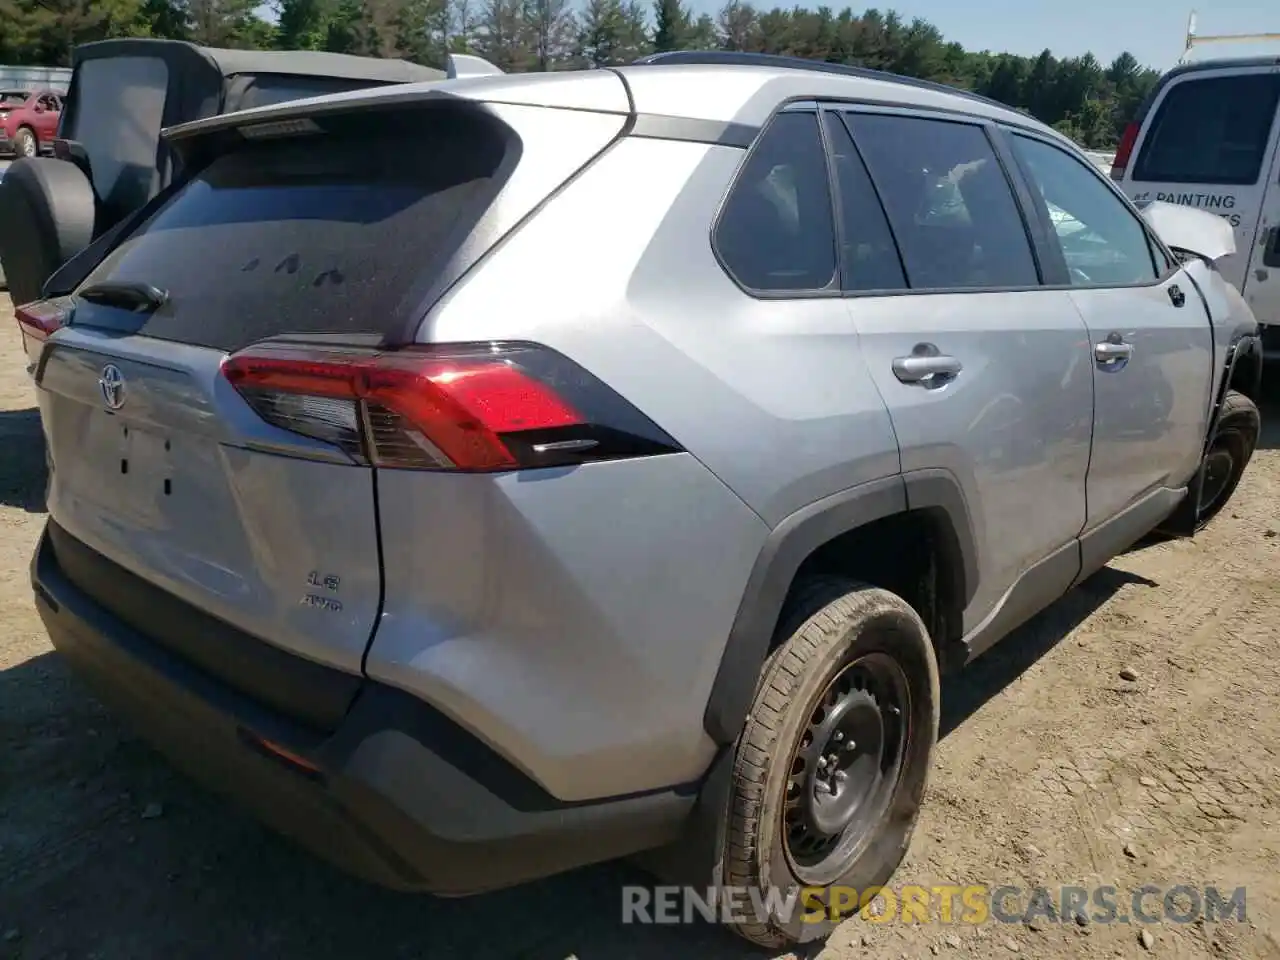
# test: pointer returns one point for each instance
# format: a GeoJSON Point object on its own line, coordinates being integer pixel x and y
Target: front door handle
{"type": "Point", "coordinates": [926, 367]}
{"type": "Point", "coordinates": [1176, 295]}
{"type": "Point", "coordinates": [1112, 351]}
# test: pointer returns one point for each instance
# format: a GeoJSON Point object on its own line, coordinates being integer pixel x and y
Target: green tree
{"type": "Point", "coordinates": [672, 25]}
{"type": "Point", "coordinates": [46, 31]}
{"type": "Point", "coordinates": [1078, 95]}
{"type": "Point", "coordinates": [225, 23]}
{"type": "Point", "coordinates": [612, 32]}
{"type": "Point", "coordinates": [304, 24]}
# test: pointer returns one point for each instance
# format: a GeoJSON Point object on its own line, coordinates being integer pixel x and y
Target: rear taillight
{"type": "Point", "coordinates": [40, 318]}
{"type": "Point", "coordinates": [470, 407]}
{"type": "Point", "coordinates": [1121, 161]}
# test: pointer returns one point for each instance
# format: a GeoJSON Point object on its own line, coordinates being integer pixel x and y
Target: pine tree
{"type": "Point", "coordinates": [672, 24]}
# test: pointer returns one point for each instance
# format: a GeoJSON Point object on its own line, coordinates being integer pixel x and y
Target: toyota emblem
{"type": "Point", "coordinates": [111, 383]}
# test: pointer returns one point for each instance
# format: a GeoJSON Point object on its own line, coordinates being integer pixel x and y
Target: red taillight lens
{"type": "Point", "coordinates": [465, 407]}
{"type": "Point", "coordinates": [39, 319]}
{"type": "Point", "coordinates": [1121, 162]}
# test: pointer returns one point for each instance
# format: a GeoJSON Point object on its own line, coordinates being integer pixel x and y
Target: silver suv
{"type": "Point", "coordinates": [491, 476]}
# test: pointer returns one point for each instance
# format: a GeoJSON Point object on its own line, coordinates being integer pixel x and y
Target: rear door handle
{"type": "Point", "coordinates": [925, 368]}
{"type": "Point", "coordinates": [1112, 350]}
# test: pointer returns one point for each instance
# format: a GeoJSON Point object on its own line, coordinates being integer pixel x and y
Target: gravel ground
{"type": "Point", "coordinates": [1054, 769]}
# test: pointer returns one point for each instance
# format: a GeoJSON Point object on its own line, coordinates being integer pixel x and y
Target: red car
{"type": "Point", "coordinates": [28, 121]}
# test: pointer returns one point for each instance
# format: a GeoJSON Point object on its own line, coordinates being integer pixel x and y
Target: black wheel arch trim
{"type": "Point", "coordinates": [1185, 519]}
{"type": "Point", "coordinates": [791, 542]}
{"type": "Point", "coordinates": [1245, 348]}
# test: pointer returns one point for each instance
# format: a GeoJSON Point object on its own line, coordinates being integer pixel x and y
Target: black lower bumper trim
{"type": "Point", "coordinates": [314, 695]}
{"type": "Point", "coordinates": [385, 796]}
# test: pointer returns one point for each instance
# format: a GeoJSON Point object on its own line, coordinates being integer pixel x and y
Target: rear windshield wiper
{"type": "Point", "coordinates": [129, 294]}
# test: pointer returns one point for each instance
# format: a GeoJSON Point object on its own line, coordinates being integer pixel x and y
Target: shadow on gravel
{"type": "Point", "coordinates": [105, 851]}
{"type": "Point", "coordinates": [23, 472]}
{"type": "Point", "coordinates": [964, 692]}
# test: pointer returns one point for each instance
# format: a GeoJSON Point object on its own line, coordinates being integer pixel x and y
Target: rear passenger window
{"type": "Point", "coordinates": [1213, 130]}
{"type": "Point", "coordinates": [869, 258]}
{"type": "Point", "coordinates": [1102, 241]}
{"type": "Point", "coordinates": [948, 200]}
{"type": "Point", "coordinates": [776, 233]}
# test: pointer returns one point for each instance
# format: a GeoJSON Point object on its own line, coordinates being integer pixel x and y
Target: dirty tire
{"type": "Point", "coordinates": [837, 626]}
{"type": "Point", "coordinates": [28, 145]}
{"type": "Point", "coordinates": [1238, 429]}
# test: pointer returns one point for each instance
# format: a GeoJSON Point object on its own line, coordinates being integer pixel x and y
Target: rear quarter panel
{"type": "Point", "coordinates": [592, 627]}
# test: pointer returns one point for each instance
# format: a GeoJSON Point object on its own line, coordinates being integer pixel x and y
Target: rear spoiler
{"type": "Point", "coordinates": [460, 66]}
{"type": "Point", "coordinates": [293, 117]}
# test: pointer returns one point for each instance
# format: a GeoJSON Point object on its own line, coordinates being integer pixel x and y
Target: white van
{"type": "Point", "coordinates": [1208, 137]}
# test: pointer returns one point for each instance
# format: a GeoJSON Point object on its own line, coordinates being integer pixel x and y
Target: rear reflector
{"type": "Point", "coordinates": [470, 407]}
{"type": "Point", "coordinates": [1121, 161]}
{"type": "Point", "coordinates": [39, 319]}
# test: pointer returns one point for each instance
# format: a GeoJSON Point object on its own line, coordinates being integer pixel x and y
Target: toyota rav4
{"type": "Point", "coordinates": [486, 477]}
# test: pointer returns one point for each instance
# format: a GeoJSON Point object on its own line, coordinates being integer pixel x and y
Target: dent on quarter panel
{"type": "Point", "coordinates": [586, 660]}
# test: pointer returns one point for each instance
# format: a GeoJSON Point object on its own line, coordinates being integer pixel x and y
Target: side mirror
{"type": "Point", "coordinates": [39, 108]}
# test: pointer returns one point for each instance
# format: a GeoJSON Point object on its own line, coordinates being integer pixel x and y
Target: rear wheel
{"type": "Point", "coordinates": [1224, 463]}
{"type": "Point", "coordinates": [831, 767]}
{"type": "Point", "coordinates": [27, 144]}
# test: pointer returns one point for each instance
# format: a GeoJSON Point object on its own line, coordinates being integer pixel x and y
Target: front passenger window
{"type": "Point", "coordinates": [1102, 241]}
{"type": "Point", "coordinates": [776, 232]}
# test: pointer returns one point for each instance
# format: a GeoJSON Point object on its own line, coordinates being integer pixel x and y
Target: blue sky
{"type": "Point", "coordinates": [1152, 30]}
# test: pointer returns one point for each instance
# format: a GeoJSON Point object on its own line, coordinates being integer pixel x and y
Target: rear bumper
{"type": "Point", "coordinates": [397, 794]}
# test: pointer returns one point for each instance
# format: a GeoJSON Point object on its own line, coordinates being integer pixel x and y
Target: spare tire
{"type": "Point", "coordinates": [47, 213]}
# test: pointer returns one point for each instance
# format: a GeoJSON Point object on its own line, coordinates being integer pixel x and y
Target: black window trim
{"type": "Point", "coordinates": [998, 149]}
{"type": "Point", "coordinates": [1055, 248]}
{"type": "Point", "coordinates": [831, 110]}
{"type": "Point", "coordinates": [1161, 102]}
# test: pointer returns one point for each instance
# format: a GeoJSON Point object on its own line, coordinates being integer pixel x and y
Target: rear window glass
{"type": "Point", "coordinates": [1213, 130]}
{"type": "Point", "coordinates": [331, 233]}
{"type": "Point", "coordinates": [13, 98]}
{"type": "Point", "coordinates": [117, 116]}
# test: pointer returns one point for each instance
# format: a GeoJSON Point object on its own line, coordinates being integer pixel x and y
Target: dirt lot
{"type": "Point", "coordinates": [1054, 770]}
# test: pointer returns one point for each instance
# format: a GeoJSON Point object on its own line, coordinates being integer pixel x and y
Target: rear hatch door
{"type": "Point", "coordinates": [262, 516]}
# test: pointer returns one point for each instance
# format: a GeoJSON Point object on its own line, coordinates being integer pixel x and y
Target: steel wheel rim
{"type": "Point", "coordinates": [846, 767]}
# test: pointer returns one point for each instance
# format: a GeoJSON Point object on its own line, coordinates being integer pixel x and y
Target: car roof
{"type": "Point", "coordinates": [739, 90]}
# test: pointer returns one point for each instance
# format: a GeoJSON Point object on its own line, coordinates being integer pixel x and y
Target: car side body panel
{"type": "Point", "coordinates": [641, 302]}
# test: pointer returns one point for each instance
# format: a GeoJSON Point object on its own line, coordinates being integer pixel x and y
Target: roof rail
{"type": "Point", "coordinates": [741, 59]}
